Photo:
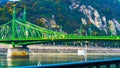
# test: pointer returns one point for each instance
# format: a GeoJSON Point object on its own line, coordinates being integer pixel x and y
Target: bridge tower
{"type": "Point", "coordinates": [80, 31]}
{"type": "Point", "coordinates": [13, 25]}
{"type": "Point", "coordinates": [17, 52]}
{"type": "Point", "coordinates": [24, 14]}
{"type": "Point", "coordinates": [90, 31]}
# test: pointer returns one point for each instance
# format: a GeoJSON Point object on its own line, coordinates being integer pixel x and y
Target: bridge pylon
{"type": "Point", "coordinates": [18, 52]}
{"type": "Point", "coordinates": [14, 51]}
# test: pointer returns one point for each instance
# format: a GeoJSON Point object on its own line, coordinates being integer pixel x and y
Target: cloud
{"type": "Point", "coordinates": [14, 0]}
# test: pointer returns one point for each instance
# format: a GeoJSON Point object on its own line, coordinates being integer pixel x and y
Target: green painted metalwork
{"type": "Point", "coordinates": [13, 25]}
{"type": "Point", "coordinates": [90, 31]}
{"type": "Point", "coordinates": [24, 14]}
{"type": "Point", "coordinates": [20, 32]}
{"type": "Point", "coordinates": [80, 31]}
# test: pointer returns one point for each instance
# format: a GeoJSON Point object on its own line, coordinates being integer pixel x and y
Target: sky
{"type": "Point", "coordinates": [14, 0]}
{"type": "Point", "coordinates": [4, 1]}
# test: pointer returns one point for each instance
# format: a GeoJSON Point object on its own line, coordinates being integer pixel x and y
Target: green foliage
{"type": "Point", "coordinates": [69, 20]}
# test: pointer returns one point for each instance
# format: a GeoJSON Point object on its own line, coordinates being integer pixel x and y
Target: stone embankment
{"type": "Point", "coordinates": [66, 49]}
{"type": "Point", "coordinates": [73, 49]}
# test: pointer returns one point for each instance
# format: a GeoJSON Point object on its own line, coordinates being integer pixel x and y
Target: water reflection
{"type": "Point", "coordinates": [48, 59]}
{"type": "Point", "coordinates": [17, 62]}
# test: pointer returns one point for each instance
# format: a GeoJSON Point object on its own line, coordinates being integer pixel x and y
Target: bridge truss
{"type": "Point", "coordinates": [22, 32]}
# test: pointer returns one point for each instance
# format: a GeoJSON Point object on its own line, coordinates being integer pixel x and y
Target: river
{"type": "Point", "coordinates": [49, 59]}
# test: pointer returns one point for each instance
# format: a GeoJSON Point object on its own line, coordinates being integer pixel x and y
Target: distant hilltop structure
{"type": "Point", "coordinates": [53, 22]}
{"type": "Point", "coordinates": [50, 23]}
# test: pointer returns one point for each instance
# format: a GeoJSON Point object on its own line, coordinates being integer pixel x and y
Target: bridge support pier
{"type": "Point", "coordinates": [18, 52]}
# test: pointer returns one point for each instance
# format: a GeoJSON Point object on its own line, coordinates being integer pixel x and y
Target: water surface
{"type": "Point", "coordinates": [48, 59]}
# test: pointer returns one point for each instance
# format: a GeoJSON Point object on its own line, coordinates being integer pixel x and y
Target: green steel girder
{"type": "Point", "coordinates": [67, 38]}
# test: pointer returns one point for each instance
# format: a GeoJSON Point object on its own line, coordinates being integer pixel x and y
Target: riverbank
{"type": "Point", "coordinates": [72, 50]}
{"type": "Point", "coordinates": [70, 54]}
{"type": "Point", "coordinates": [64, 50]}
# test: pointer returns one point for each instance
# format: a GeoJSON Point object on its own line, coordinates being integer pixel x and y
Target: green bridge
{"type": "Point", "coordinates": [21, 32]}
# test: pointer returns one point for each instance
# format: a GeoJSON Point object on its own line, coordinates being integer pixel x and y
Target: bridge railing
{"type": "Point", "coordinates": [112, 63]}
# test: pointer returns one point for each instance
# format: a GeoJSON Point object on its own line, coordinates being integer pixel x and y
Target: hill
{"type": "Point", "coordinates": [66, 14]}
